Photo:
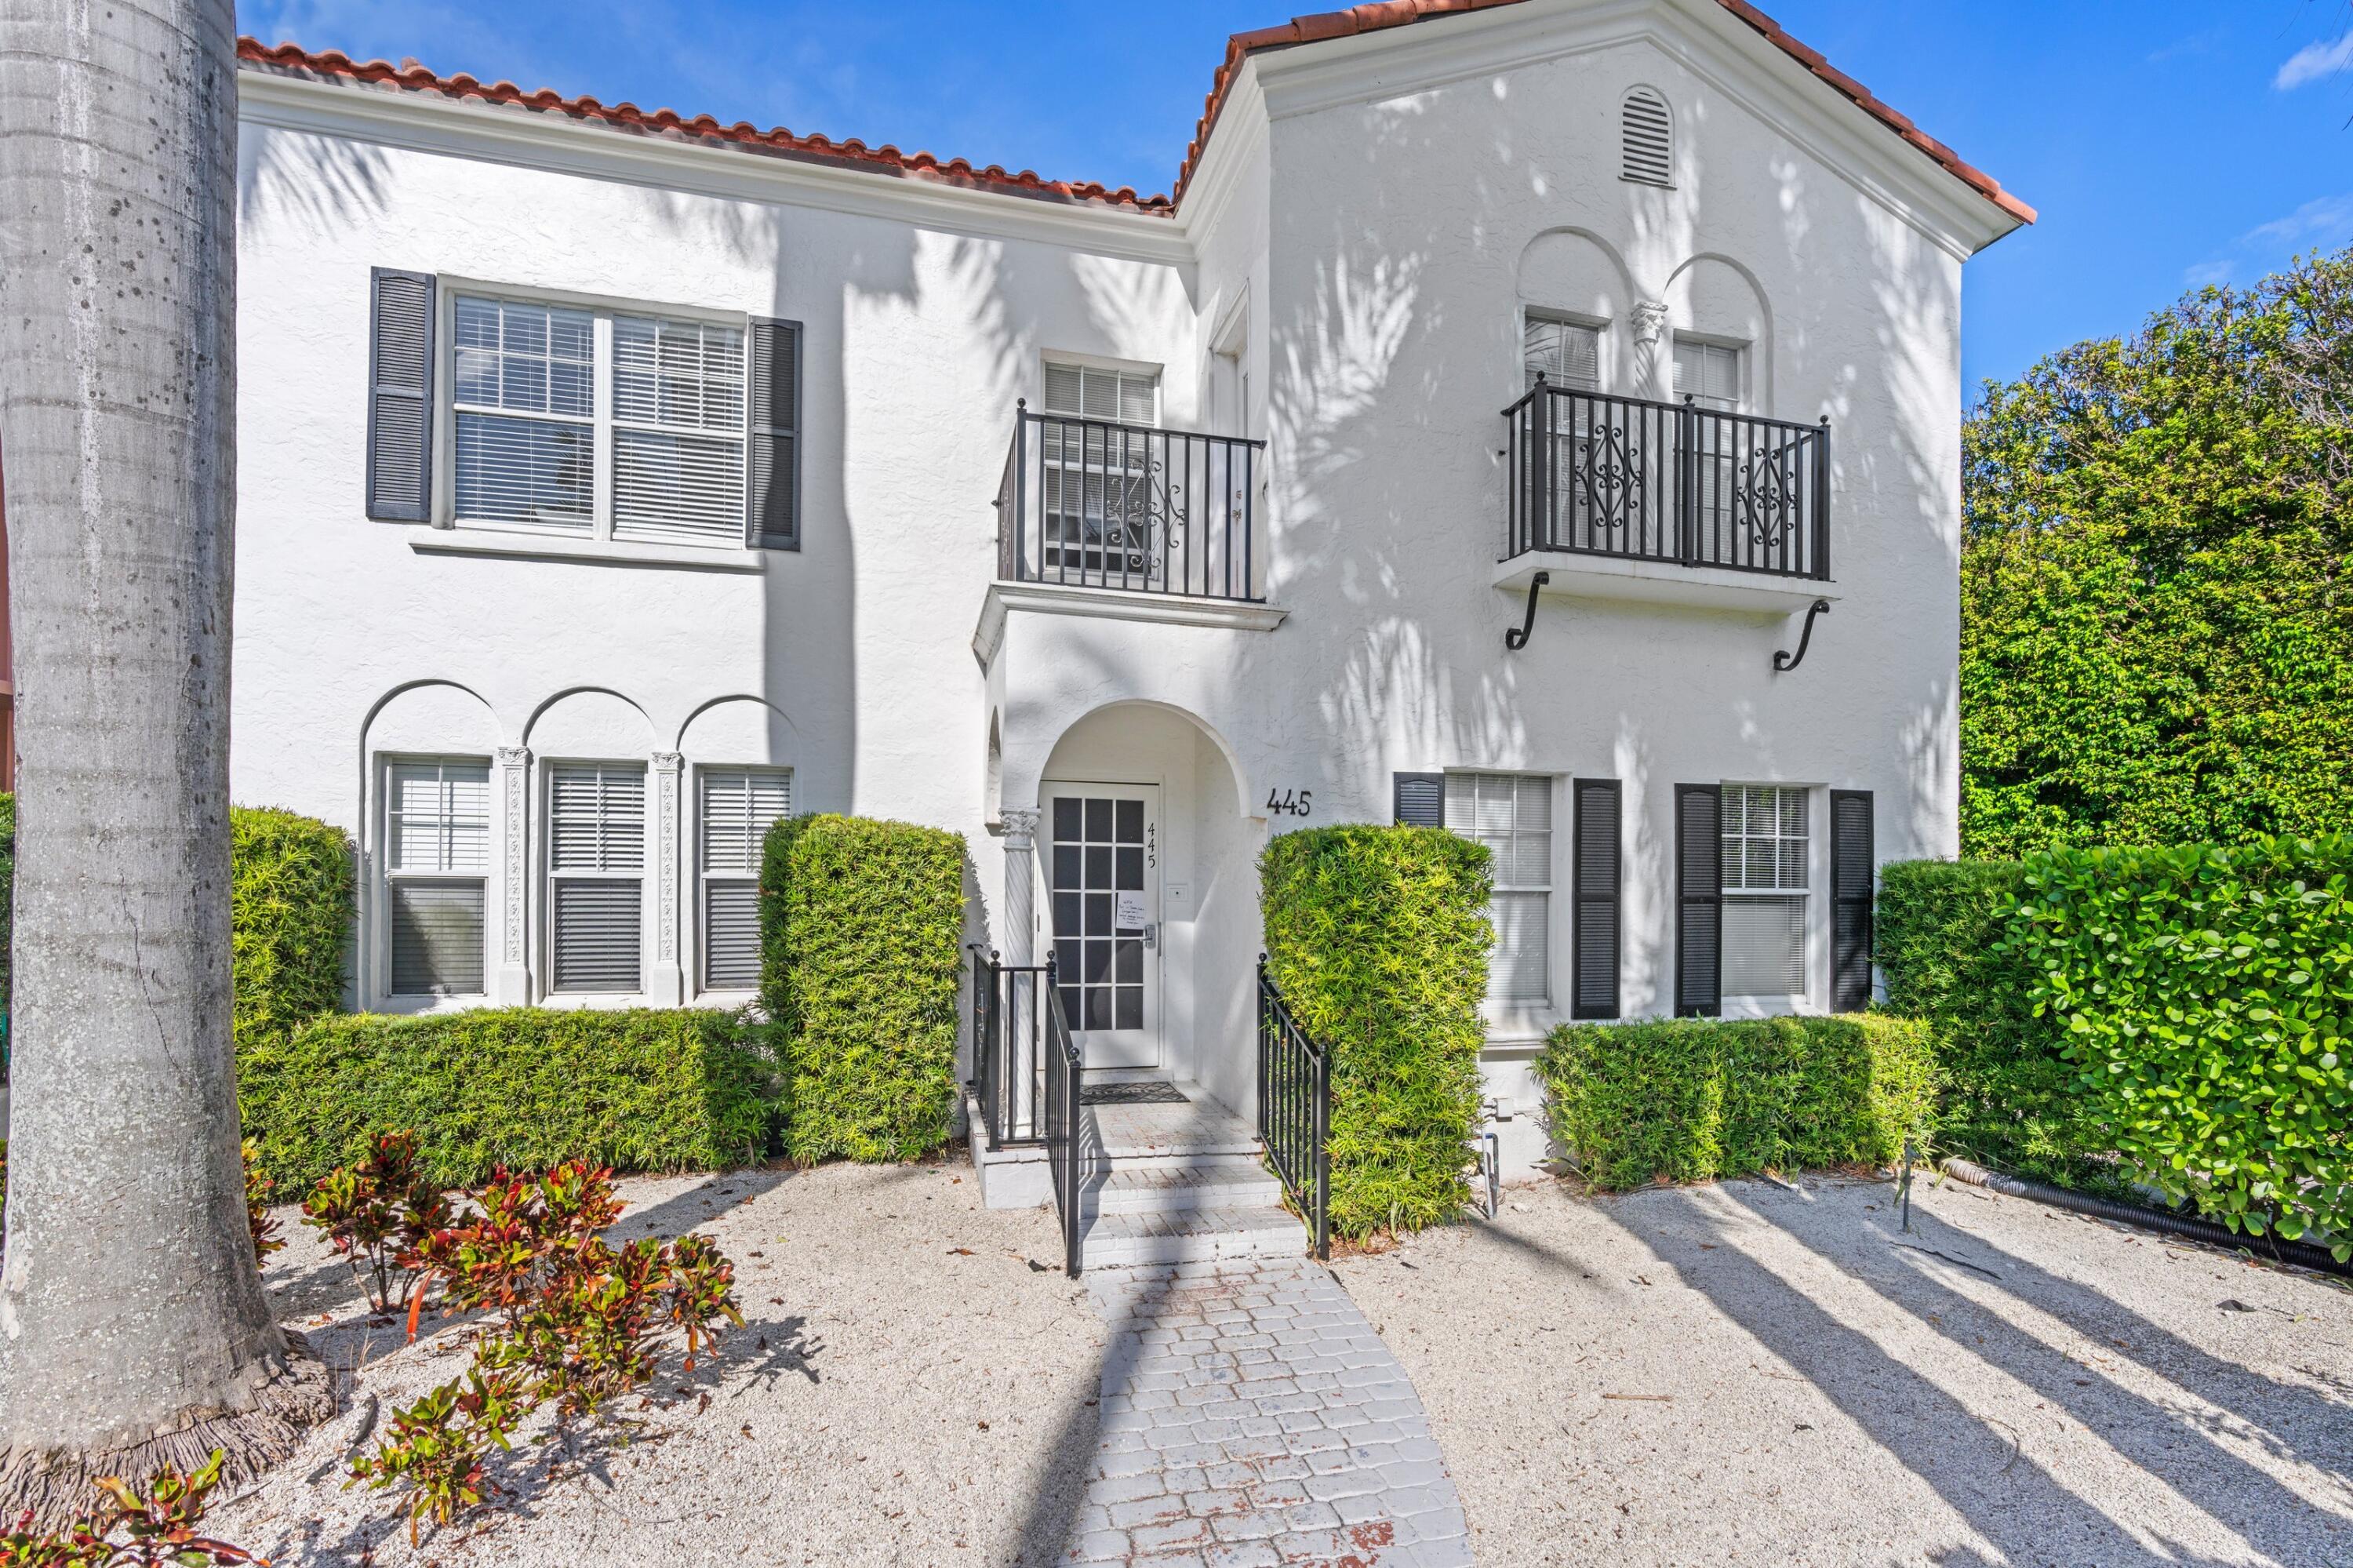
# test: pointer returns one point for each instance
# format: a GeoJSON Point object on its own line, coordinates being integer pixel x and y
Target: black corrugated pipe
{"type": "Point", "coordinates": [2301, 1254]}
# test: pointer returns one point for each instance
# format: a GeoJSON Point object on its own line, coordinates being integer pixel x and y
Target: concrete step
{"type": "Point", "coordinates": [1138, 1241]}
{"type": "Point", "coordinates": [1197, 1185]}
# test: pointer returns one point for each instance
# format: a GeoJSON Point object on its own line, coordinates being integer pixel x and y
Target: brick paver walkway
{"type": "Point", "coordinates": [1251, 1417]}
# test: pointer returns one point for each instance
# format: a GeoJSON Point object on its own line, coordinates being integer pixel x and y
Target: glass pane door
{"type": "Point", "coordinates": [1102, 878]}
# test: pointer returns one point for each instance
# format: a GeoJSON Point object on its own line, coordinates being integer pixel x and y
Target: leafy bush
{"type": "Point", "coordinates": [1377, 938]}
{"type": "Point", "coordinates": [375, 1213]}
{"type": "Point", "coordinates": [637, 1089]}
{"type": "Point", "coordinates": [2009, 1096]}
{"type": "Point", "coordinates": [1693, 1099]}
{"type": "Point", "coordinates": [2156, 642]}
{"type": "Point", "coordinates": [132, 1529]}
{"type": "Point", "coordinates": [2206, 996]}
{"type": "Point", "coordinates": [290, 891]}
{"type": "Point", "coordinates": [861, 921]}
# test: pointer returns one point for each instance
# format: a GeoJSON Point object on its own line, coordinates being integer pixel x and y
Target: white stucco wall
{"type": "Point", "coordinates": [1372, 219]}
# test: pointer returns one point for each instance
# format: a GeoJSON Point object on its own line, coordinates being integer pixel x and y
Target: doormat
{"type": "Point", "coordinates": [1131, 1095]}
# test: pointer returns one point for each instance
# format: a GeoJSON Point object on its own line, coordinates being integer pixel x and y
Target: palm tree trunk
{"type": "Point", "coordinates": [134, 1326]}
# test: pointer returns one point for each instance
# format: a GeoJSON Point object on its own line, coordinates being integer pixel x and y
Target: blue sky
{"type": "Point", "coordinates": [2167, 142]}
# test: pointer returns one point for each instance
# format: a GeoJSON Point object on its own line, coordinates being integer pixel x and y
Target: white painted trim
{"type": "Point", "coordinates": [1113, 604]}
{"type": "Point", "coordinates": [1578, 576]}
{"type": "Point", "coordinates": [430, 122]}
{"type": "Point", "coordinates": [471, 540]}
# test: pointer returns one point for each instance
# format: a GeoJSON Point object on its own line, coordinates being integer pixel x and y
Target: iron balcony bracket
{"type": "Point", "coordinates": [1783, 660]}
{"type": "Point", "coordinates": [1516, 637]}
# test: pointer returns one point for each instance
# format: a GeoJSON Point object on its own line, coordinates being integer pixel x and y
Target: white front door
{"type": "Point", "coordinates": [1102, 882]}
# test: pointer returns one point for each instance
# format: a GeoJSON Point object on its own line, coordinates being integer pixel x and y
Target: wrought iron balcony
{"type": "Point", "coordinates": [1672, 482]}
{"type": "Point", "coordinates": [1096, 503]}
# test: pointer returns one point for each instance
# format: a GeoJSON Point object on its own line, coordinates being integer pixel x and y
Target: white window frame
{"type": "Point", "coordinates": [1602, 345]}
{"type": "Point", "coordinates": [1542, 1004]}
{"type": "Point", "coordinates": [1745, 355]}
{"type": "Point", "coordinates": [1063, 359]}
{"type": "Point", "coordinates": [1815, 945]}
{"type": "Point", "coordinates": [704, 876]}
{"type": "Point", "coordinates": [542, 895]}
{"type": "Point", "coordinates": [602, 308]}
{"type": "Point", "coordinates": [385, 877]}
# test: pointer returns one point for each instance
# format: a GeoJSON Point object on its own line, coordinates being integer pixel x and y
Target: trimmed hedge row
{"type": "Point", "coordinates": [1694, 1099]}
{"type": "Point", "coordinates": [1377, 937]}
{"type": "Point", "coordinates": [861, 922]}
{"type": "Point", "coordinates": [2009, 1096]}
{"type": "Point", "coordinates": [289, 899]}
{"type": "Point", "coordinates": [2207, 998]}
{"type": "Point", "coordinates": [641, 1089]}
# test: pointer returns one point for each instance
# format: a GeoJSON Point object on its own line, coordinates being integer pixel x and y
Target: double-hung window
{"type": "Point", "coordinates": [1568, 355]}
{"type": "Point", "coordinates": [738, 806]}
{"type": "Point", "coordinates": [1709, 374]}
{"type": "Point", "coordinates": [1768, 850]}
{"type": "Point", "coordinates": [1566, 352]}
{"type": "Point", "coordinates": [1099, 513]}
{"type": "Point", "coordinates": [1511, 813]}
{"type": "Point", "coordinates": [437, 856]}
{"type": "Point", "coordinates": [596, 423]}
{"type": "Point", "coordinates": [595, 868]}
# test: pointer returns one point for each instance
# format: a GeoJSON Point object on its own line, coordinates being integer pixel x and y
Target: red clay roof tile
{"type": "Point", "coordinates": [1374, 16]}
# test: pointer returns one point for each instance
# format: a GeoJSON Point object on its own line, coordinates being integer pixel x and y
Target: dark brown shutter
{"type": "Point", "coordinates": [1420, 799]}
{"type": "Point", "coordinates": [400, 396]}
{"type": "Point", "coordinates": [1593, 917]}
{"type": "Point", "coordinates": [1852, 866]}
{"type": "Point", "coordinates": [773, 497]}
{"type": "Point", "coordinates": [1699, 900]}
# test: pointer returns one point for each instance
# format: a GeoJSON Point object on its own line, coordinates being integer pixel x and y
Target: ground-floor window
{"type": "Point", "coordinates": [436, 853]}
{"type": "Point", "coordinates": [1511, 813]}
{"type": "Point", "coordinates": [736, 808]}
{"type": "Point", "coordinates": [1768, 850]}
{"type": "Point", "coordinates": [595, 862]}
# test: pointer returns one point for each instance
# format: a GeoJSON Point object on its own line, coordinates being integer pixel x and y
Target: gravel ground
{"type": "Point", "coordinates": [1755, 1373]}
{"type": "Point", "coordinates": [900, 1391]}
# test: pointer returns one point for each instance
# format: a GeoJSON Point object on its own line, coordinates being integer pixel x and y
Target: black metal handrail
{"type": "Point", "coordinates": [1098, 504]}
{"type": "Point", "coordinates": [1294, 1110]}
{"type": "Point", "coordinates": [1062, 1132]}
{"type": "Point", "coordinates": [1627, 477]}
{"type": "Point", "coordinates": [1009, 1060]}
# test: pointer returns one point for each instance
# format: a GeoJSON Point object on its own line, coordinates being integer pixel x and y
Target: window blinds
{"type": "Point", "coordinates": [1709, 372]}
{"type": "Point", "coordinates": [1568, 353]}
{"type": "Point", "coordinates": [678, 431]}
{"type": "Point", "coordinates": [738, 806]}
{"type": "Point", "coordinates": [1122, 396]}
{"type": "Point", "coordinates": [524, 391]}
{"type": "Point", "coordinates": [436, 850]}
{"type": "Point", "coordinates": [1512, 815]}
{"type": "Point", "coordinates": [597, 852]}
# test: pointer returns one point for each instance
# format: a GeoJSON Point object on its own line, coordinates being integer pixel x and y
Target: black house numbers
{"type": "Point", "coordinates": [1289, 804]}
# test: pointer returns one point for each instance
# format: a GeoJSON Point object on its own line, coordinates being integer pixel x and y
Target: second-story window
{"type": "Point", "coordinates": [1566, 352]}
{"type": "Point", "coordinates": [1100, 522]}
{"type": "Point", "coordinates": [596, 423]}
{"type": "Point", "coordinates": [1709, 372]}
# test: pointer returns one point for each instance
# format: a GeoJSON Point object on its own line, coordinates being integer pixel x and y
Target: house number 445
{"type": "Point", "coordinates": [1289, 804]}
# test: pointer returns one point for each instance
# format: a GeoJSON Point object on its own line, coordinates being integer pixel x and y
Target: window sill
{"type": "Point", "coordinates": [1519, 1024]}
{"type": "Point", "coordinates": [591, 552]}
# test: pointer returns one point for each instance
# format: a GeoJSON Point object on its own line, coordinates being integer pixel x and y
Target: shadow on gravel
{"type": "Point", "coordinates": [2172, 1444]}
{"type": "Point", "coordinates": [1981, 1470]}
{"type": "Point", "coordinates": [705, 1201]}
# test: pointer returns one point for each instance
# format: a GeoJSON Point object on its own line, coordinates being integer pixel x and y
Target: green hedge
{"type": "Point", "coordinates": [640, 1089]}
{"type": "Point", "coordinates": [1377, 937]}
{"type": "Point", "coordinates": [2009, 1096]}
{"type": "Point", "coordinates": [2206, 996]}
{"type": "Point", "coordinates": [7, 901]}
{"type": "Point", "coordinates": [1696, 1098]}
{"type": "Point", "coordinates": [289, 899]}
{"type": "Point", "coordinates": [861, 923]}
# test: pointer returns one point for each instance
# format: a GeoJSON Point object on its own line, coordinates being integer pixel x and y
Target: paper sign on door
{"type": "Point", "coordinates": [1130, 913]}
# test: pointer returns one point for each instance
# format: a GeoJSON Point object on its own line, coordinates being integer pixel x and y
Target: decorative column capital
{"type": "Point", "coordinates": [514, 756]}
{"type": "Point", "coordinates": [669, 761]}
{"type": "Point", "coordinates": [1021, 829]}
{"type": "Point", "coordinates": [1649, 321]}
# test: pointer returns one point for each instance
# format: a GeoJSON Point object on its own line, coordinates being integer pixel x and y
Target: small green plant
{"type": "Point", "coordinates": [132, 1529]}
{"type": "Point", "coordinates": [440, 1445]}
{"type": "Point", "coordinates": [376, 1214]}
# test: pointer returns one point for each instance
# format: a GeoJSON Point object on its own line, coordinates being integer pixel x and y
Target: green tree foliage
{"type": "Point", "coordinates": [1690, 1100]}
{"type": "Point", "coordinates": [1377, 938]}
{"type": "Point", "coordinates": [290, 900]}
{"type": "Point", "coordinates": [860, 922]}
{"type": "Point", "coordinates": [2156, 631]}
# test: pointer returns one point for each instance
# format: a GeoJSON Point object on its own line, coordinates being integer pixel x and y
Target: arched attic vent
{"type": "Point", "coordinates": [1647, 137]}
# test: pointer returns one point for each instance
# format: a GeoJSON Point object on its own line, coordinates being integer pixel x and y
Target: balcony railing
{"type": "Point", "coordinates": [1095, 504]}
{"type": "Point", "coordinates": [1635, 480]}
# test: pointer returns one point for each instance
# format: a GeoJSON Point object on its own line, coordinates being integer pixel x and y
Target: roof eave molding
{"type": "Point", "coordinates": [389, 115]}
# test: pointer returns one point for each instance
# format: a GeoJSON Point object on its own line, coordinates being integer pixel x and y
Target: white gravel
{"type": "Point", "coordinates": [1796, 1381]}
{"type": "Point", "coordinates": [907, 1389]}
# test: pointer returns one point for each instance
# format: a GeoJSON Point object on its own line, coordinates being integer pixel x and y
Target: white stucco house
{"type": "Point", "coordinates": [613, 482]}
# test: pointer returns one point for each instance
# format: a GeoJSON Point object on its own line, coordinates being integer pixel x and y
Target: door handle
{"type": "Point", "coordinates": [1152, 933]}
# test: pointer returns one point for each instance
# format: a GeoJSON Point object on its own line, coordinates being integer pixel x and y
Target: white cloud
{"type": "Point", "coordinates": [2314, 61]}
{"type": "Point", "coordinates": [2325, 223]}
{"type": "Point", "coordinates": [2209, 274]}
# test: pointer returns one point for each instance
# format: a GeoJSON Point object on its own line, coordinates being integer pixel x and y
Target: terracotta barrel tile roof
{"type": "Point", "coordinates": [889, 160]}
